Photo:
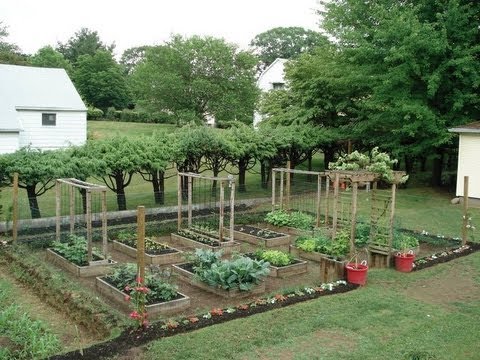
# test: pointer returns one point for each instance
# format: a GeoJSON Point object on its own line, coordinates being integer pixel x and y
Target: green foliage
{"type": "Point", "coordinates": [197, 78]}
{"type": "Point", "coordinates": [203, 259]}
{"type": "Point", "coordinates": [275, 257]}
{"type": "Point", "coordinates": [295, 219]}
{"type": "Point", "coordinates": [10, 53]}
{"type": "Point", "coordinates": [94, 113]}
{"type": "Point", "coordinates": [285, 42]}
{"type": "Point", "coordinates": [336, 248]}
{"type": "Point", "coordinates": [240, 273]}
{"type": "Point", "coordinates": [362, 234]}
{"type": "Point", "coordinates": [404, 242]}
{"type": "Point", "coordinates": [74, 250]}
{"type": "Point", "coordinates": [48, 57]}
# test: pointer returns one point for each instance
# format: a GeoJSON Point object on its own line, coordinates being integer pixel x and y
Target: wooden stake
{"type": "Point", "coordinates": [179, 196]}
{"type": "Point", "coordinates": [57, 209]}
{"type": "Point", "coordinates": [281, 190]}
{"type": "Point", "coordinates": [289, 176]}
{"type": "Point", "coordinates": [273, 189]}
{"type": "Point", "coordinates": [327, 199]}
{"type": "Point", "coordinates": [141, 242]}
{"type": "Point", "coordinates": [72, 208]}
{"type": "Point", "coordinates": [319, 196]}
{"type": "Point", "coordinates": [353, 217]}
{"type": "Point", "coordinates": [392, 218]}
{"type": "Point", "coordinates": [15, 209]}
{"type": "Point", "coordinates": [232, 209]}
{"type": "Point", "coordinates": [222, 209]}
{"type": "Point", "coordinates": [189, 205]}
{"type": "Point", "coordinates": [89, 225]}
{"type": "Point", "coordinates": [465, 211]}
{"type": "Point", "coordinates": [335, 204]}
{"type": "Point", "coordinates": [104, 224]}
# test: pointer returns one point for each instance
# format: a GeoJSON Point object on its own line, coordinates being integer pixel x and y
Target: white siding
{"type": "Point", "coordinates": [9, 142]}
{"type": "Point", "coordinates": [70, 129]}
{"type": "Point", "coordinates": [469, 164]}
{"type": "Point", "coordinates": [273, 74]}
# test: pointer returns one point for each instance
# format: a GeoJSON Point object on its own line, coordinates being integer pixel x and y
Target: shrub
{"type": "Point", "coordinates": [295, 219]}
{"type": "Point", "coordinates": [362, 234]}
{"type": "Point", "coordinates": [402, 241]}
{"type": "Point", "coordinates": [275, 257]}
{"type": "Point", "coordinates": [74, 250]}
{"type": "Point", "coordinates": [336, 248]}
{"type": "Point", "coordinates": [94, 114]}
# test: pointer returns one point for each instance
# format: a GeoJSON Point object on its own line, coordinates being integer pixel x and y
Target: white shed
{"type": "Point", "coordinates": [272, 78]}
{"type": "Point", "coordinates": [468, 158]}
{"type": "Point", "coordinates": [39, 107]}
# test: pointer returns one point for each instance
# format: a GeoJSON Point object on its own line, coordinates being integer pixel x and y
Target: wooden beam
{"type": "Point", "coordinates": [72, 208]}
{"type": "Point", "coordinates": [281, 191]}
{"type": "Point", "coordinates": [465, 211]}
{"type": "Point", "coordinates": [295, 171]}
{"type": "Point", "coordinates": [391, 223]}
{"type": "Point", "coordinates": [57, 209]}
{"type": "Point", "coordinates": [232, 209]}
{"type": "Point", "coordinates": [289, 176]}
{"type": "Point", "coordinates": [222, 209]}
{"type": "Point", "coordinates": [15, 209]}
{"type": "Point", "coordinates": [141, 242]}
{"type": "Point", "coordinates": [335, 204]}
{"type": "Point", "coordinates": [205, 177]}
{"type": "Point", "coordinates": [319, 197]}
{"type": "Point", "coordinates": [273, 189]}
{"type": "Point", "coordinates": [104, 224]}
{"type": "Point", "coordinates": [179, 201]}
{"type": "Point", "coordinates": [353, 218]}
{"type": "Point", "coordinates": [189, 204]}
{"type": "Point", "coordinates": [89, 225]}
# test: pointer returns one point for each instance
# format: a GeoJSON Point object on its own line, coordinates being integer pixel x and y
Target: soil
{"type": "Point", "coordinates": [258, 232]}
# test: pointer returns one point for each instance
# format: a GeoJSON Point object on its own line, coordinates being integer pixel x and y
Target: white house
{"type": "Point", "coordinates": [468, 158]}
{"type": "Point", "coordinates": [39, 107]}
{"type": "Point", "coordinates": [272, 78]}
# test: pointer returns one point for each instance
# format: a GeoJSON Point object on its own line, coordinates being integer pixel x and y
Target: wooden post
{"type": "Point", "coordinates": [273, 189]}
{"type": "Point", "coordinates": [57, 209]}
{"type": "Point", "coordinates": [391, 223]}
{"type": "Point", "coordinates": [222, 209]}
{"type": "Point", "coordinates": [15, 209]}
{"type": "Point", "coordinates": [373, 213]}
{"type": "Point", "coordinates": [72, 208]}
{"type": "Point", "coordinates": [89, 224]}
{"type": "Point", "coordinates": [335, 204]}
{"type": "Point", "coordinates": [232, 209]}
{"type": "Point", "coordinates": [327, 199]}
{"type": "Point", "coordinates": [353, 217]}
{"type": "Point", "coordinates": [319, 196]}
{"type": "Point", "coordinates": [141, 242]}
{"type": "Point", "coordinates": [179, 196]}
{"type": "Point", "coordinates": [465, 211]}
{"type": "Point", "coordinates": [104, 224]}
{"type": "Point", "coordinates": [189, 205]}
{"type": "Point", "coordinates": [281, 190]}
{"type": "Point", "coordinates": [289, 176]}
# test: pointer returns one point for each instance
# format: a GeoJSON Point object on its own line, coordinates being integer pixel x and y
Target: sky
{"type": "Point", "coordinates": [33, 24]}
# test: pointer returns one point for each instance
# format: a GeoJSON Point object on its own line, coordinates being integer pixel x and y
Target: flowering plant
{"type": "Point", "coordinates": [137, 295]}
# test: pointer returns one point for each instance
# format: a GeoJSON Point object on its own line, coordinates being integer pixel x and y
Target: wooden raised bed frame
{"type": "Point", "coordinates": [188, 277]}
{"type": "Point", "coordinates": [300, 267]}
{"type": "Point", "coordinates": [228, 247]}
{"type": "Point", "coordinates": [284, 239]}
{"type": "Point", "coordinates": [161, 259]}
{"type": "Point", "coordinates": [117, 296]}
{"type": "Point", "coordinates": [330, 269]}
{"type": "Point", "coordinates": [96, 268]}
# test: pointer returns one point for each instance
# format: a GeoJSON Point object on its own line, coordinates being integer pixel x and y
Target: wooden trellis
{"type": "Point", "coordinates": [223, 182]}
{"type": "Point", "coordinates": [73, 185]}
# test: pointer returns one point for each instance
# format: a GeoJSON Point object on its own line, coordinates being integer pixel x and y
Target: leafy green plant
{"type": "Point", "coordinates": [362, 234]}
{"type": "Point", "coordinates": [74, 250]}
{"type": "Point", "coordinates": [202, 238]}
{"type": "Point", "coordinates": [203, 259]}
{"type": "Point", "coordinates": [295, 219]}
{"type": "Point", "coordinates": [275, 257]}
{"type": "Point", "coordinates": [336, 248]}
{"type": "Point", "coordinates": [404, 242]}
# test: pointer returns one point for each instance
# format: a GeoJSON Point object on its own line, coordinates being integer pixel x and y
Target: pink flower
{"type": "Point", "coordinates": [134, 315]}
{"type": "Point", "coordinates": [139, 280]}
{"type": "Point", "coordinates": [127, 297]}
{"type": "Point", "coordinates": [128, 288]}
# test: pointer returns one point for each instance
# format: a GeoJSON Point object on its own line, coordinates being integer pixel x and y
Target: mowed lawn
{"type": "Point", "coordinates": [432, 314]}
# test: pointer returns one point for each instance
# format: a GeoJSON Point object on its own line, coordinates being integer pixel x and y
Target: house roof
{"type": "Point", "coordinates": [276, 62]}
{"type": "Point", "coordinates": [472, 128]}
{"type": "Point", "coordinates": [34, 88]}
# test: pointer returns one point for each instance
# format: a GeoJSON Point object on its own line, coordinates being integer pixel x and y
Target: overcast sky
{"type": "Point", "coordinates": [33, 24]}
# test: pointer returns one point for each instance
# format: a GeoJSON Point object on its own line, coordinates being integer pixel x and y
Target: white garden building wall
{"type": "Point", "coordinates": [469, 159]}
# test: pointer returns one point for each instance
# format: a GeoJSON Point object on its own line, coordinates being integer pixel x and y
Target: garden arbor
{"type": "Point", "coordinates": [78, 204]}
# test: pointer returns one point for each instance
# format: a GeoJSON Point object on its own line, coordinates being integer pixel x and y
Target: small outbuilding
{"type": "Point", "coordinates": [468, 158]}
{"type": "Point", "coordinates": [39, 107]}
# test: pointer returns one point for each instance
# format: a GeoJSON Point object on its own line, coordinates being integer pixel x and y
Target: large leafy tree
{"type": "Point", "coordinates": [100, 81]}
{"type": "Point", "coordinates": [132, 57]}
{"type": "Point", "coordinates": [418, 61]}
{"type": "Point", "coordinates": [285, 42]}
{"type": "Point", "coordinates": [197, 78]}
{"type": "Point", "coordinates": [47, 56]}
{"type": "Point", "coordinates": [10, 53]}
{"type": "Point", "coordinates": [83, 42]}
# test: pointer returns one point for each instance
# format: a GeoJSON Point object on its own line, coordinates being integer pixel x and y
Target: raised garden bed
{"type": "Point", "coordinates": [330, 269]}
{"type": "Point", "coordinates": [159, 257]}
{"type": "Point", "coordinates": [162, 308]}
{"type": "Point", "coordinates": [95, 268]}
{"type": "Point", "coordinates": [298, 267]}
{"type": "Point", "coordinates": [445, 256]}
{"type": "Point", "coordinates": [227, 247]}
{"type": "Point", "coordinates": [260, 237]}
{"type": "Point", "coordinates": [185, 273]}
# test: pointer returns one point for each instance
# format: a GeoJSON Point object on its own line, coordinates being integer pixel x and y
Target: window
{"type": "Point", "coordinates": [278, 85]}
{"type": "Point", "coordinates": [49, 119]}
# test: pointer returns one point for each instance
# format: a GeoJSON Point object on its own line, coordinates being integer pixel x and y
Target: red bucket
{"type": "Point", "coordinates": [404, 262]}
{"type": "Point", "coordinates": [357, 273]}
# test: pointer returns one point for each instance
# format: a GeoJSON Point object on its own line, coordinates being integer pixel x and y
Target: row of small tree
{"type": "Point", "coordinates": [196, 149]}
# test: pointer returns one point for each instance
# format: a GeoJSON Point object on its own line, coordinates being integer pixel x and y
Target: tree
{"type": "Point", "coordinates": [9, 53]}
{"type": "Point", "coordinates": [36, 170]}
{"type": "Point", "coordinates": [419, 63]}
{"type": "Point", "coordinates": [84, 42]}
{"type": "Point", "coordinates": [132, 57]}
{"type": "Point", "coordinates": [118, 159]}
{"type": "Point", "coordinates": [197, 78]}
{"type": "Point", "coordinates": [100, 81]}
{"type": "Point", "coordinates": [47, 56]}
{"type": "Point", "coordinates": [286, 43]}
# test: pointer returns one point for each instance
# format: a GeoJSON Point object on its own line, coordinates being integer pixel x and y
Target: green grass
{"type": "Point", "coordinates": [103, 129]}
{"type": "Point", "coordinates": [380, 321]}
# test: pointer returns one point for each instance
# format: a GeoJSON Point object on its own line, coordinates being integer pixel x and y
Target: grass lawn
{"type": "Point", "coordinates": [431, 314]}
{"type": "Point", "coordinates": [104, 129]}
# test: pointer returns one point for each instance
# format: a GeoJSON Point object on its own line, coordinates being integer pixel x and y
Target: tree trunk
{"type": "Point", "coordinates": [437, 169]}
{"type": "Point", "coordinates": [242, 170]}
{"type": "Point", "coordinates": [121, 200]}
{"type": "Point", "coordinates": [263, 175]}
{"type": "Point", "coordinates": [33, 202]}
{"type": "Point", "coordinates": [161, 182]}
{"type": "Point", "coordinates": [157, 180]}
{"type": "Point", "coordinates": [409, 161]}
{"type": "Point", "coordinates": [328, 153]}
